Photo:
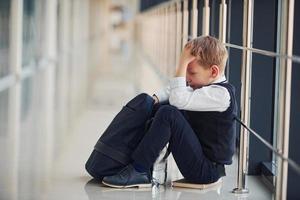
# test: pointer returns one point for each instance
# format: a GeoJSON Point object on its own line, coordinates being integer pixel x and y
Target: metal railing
{"type": "Point", "coordinates": [283, 55]}
{"type": "Point", "coordinates": [282, 116]}
{"type": "Point", "coordinates": [292, 163]}
{"type": "Point", "coordinates": [294, 58]}
{"type": "Point", "coordinates": [241, 188]}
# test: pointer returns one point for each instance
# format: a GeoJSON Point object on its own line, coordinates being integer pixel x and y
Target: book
{"type": "Point", "coordinates": [185, 184]}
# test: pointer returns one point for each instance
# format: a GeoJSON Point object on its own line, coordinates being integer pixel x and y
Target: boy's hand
{"type": "Point", "coordinates": [155, 99]}
{"type": "Point", "coordinates": [185, 58]}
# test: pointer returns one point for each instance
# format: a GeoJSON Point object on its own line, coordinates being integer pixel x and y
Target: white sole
{"type": "Point", "coordinates": [147, 185]}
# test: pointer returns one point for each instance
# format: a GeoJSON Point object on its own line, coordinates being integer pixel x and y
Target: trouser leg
{"type": "Point", "coordinates": [169, 125]}
{"type": "Point", "coordinates": [100, 165]}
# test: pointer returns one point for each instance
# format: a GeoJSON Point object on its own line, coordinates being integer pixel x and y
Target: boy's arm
{"type": "Point", "coordinates": [162, 95]}
{"type": "Point", "coordinates": [208, 98]}
{"type": "Point", "coordinates": [185, 58]}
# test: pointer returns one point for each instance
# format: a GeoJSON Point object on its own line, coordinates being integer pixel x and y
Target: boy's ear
{"type": "Point", "coordinates": [215, 71]}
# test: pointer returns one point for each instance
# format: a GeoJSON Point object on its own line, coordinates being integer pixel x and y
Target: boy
{"type": "Point", "coordinates": [198, 124]}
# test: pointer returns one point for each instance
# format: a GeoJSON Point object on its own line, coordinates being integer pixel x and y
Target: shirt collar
{"type": "Point", "coordinates": [221, 79]}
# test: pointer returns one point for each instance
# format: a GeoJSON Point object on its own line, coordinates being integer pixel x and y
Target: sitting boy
{"type": "Point", "coordinates": [198, 124]}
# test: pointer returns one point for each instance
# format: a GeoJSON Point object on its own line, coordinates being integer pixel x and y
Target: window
{"type": "Point", "coordinates": [4, 37]}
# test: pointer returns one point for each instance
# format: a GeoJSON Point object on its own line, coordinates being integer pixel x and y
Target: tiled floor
{"type": "Point", "coordinates": [66, 177]}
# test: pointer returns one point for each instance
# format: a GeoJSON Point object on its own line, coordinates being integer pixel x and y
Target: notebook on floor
{"type": "Point", "coordinates": [185, 184]}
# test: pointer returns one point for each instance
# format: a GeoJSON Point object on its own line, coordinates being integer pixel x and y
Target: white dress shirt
{"type": "Point", "coordinates": [207, 98]}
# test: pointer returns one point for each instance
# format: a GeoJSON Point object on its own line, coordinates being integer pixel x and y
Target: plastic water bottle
{"type": "Point", "coordinates": [159, 173]}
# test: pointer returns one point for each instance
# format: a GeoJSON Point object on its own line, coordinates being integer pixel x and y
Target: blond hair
{"type": "Point", "coordinates": [209, 51]}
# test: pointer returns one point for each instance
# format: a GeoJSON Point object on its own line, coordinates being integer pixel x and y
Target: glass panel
{"type": "Point", "coordinates": [265, 25]}
{"type": "Point", "coordinates": [233, 74]}
{"type": "Point", "coordinates": [200, 5]}
{"type": "Point", "coordinates": [26, 99]}
{"type": "Point", "coordinates": [5, 156]}
{"type": "Point", "coordinates": [234, 36]}
{"type": "Point", "coordinates": [4, 37]}
{"type": "Point", "coordinates": [262, 109]}
{"type": "Point", "coordinates": [235, 22]}
{"type": "Point", "coordinates": [190, 7]}
{"type": "Point", "coordinates": [4, 105]}
{"type": "Point", "coordinates": [294, 137]}
{"type": "Point", "coordinates": [214, 18]}
{"type": "Point", "coordinates": [31, 137]}
{"type": "Point", "coordinates": [29, 30]}
{"type": "Point", "coordinates": [33, 24]}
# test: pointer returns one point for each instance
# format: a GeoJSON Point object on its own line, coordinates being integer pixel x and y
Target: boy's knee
{"type": "Point", "coordinates": [167, 110]}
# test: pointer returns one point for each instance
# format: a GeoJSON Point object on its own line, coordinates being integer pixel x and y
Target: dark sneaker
{"type": "Point", "coordinates": [127, 178]}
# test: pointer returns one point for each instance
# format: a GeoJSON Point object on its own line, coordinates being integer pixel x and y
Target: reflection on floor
{"type": "Point", "coordinates": [23, 176]}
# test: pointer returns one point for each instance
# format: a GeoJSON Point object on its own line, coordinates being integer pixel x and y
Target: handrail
{"type": "Point", "coordinates": [294, 58]}
{"type": "Point", "coordinates": [292, 163]}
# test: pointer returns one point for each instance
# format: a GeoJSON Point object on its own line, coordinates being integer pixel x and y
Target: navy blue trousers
{"type": "Point", "coordinates": [170, 126]}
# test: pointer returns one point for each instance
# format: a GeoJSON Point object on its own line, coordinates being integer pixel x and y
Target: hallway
{"type": "Point", "coordinates": [68, 66]}
{"type": "Point", "coordinates": [66, 177]}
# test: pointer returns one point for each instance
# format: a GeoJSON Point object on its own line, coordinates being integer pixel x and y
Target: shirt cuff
{"type": "Point", "coordinates": [162, 95]}
{"type": "Point", "coordinates": [178, 82]}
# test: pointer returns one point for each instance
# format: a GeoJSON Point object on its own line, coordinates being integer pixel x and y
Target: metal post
{"type": "Point", "coordinates": [158, 36]}
{"type": "Point", "coordinates": [284, 95]}
{"type": "Point", "coordinates": [174, 39]}
{"type": "Point", "coordinates": [205, 22]}
{"type": "Point", "coordinates": [63, 73]}
{"type": "Point", "coordinates": [245, 98]}
{"type": "Point", "coordinates": [194, 19]}
{"type": "Point", "coordinates": [161, 37]}
{"type": "Point", "coordinates": [165, 41]}
{"type": "Point", "coordinates": [223, 21]}
{"type": "Point", "coordinates": [178, 31]}
{"type": "Point", "coordinates": [185, 22]}
{"type": "Point", "coordinates": [168, 39]}
{"type": "Point", "coordinates": [48, 79]}
{"type": "Point", "coordinates": [15, 56]}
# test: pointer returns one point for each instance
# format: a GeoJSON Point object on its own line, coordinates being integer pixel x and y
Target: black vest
{"type": "Point", "coordinates": [216, 131]}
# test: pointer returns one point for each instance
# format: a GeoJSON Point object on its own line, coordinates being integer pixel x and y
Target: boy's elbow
{"type": "Point", "coordinates": [178, 103]}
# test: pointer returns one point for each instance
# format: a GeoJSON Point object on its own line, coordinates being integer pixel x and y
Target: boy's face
{"type": "Point", "coordinates": [198, 76]}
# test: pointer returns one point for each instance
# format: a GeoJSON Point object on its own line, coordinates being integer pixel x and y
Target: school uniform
{"type": "Point", "coordinates": [199, 126]}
